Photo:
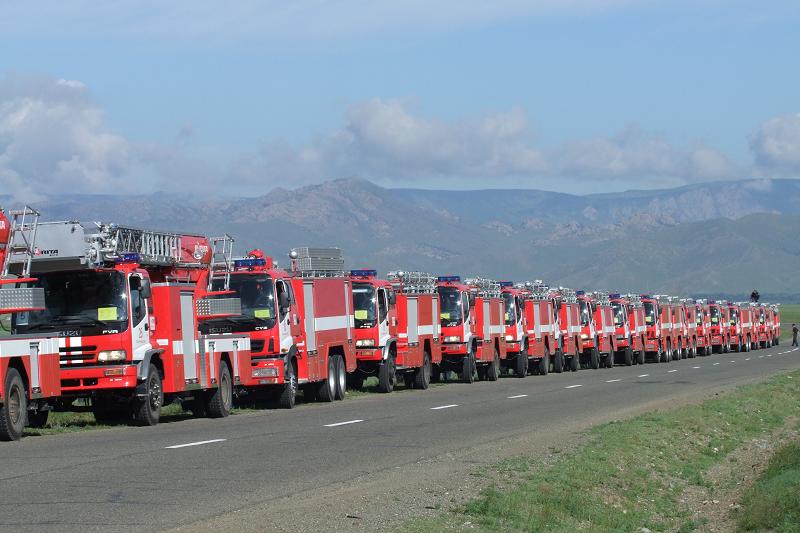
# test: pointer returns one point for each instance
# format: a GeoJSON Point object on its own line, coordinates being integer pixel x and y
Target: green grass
{"type": "Point", "coordinates": [789, 314]}
{"type": "Point", "coordinates": [773, 503]}
{"type": "Point", "coordinates": [630, 474]}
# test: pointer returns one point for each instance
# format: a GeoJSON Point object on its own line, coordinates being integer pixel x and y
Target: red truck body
{"type": "Point", "coordinates": [703, 327]}
{"type": "Point", "coordinates": [541, 317]}
{"type": "Point", "coordinates": [720, 327]}
{"type": "Point", "coordinates": [516, 328]}
{"type": "Point", "coordinates": [568, 311]}
{"type": "Point", "coordinates": [597, 327]}
{"type": "Point", "coordinates": [629, 328]}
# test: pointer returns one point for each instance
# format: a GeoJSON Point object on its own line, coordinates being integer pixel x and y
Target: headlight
{"type": "Point", "coordinates": [509, 338]}
{"type": "Point", "coordinates": [365, 343]}
{"type": "Point", "coordinates": [452, 338]}
{"type": "Point", "coordinates": [584, 336]}
{"type": "Point", "coordinates": [107, 356]}
{"type": "Point", "coordinates": [265, 372]}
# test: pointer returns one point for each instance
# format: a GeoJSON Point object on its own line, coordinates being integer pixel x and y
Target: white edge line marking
{"type": "Point", "coordinates": [695, 367]}
{"type": "Point", "coordinates": [715, 364]}
{"type": "Point", "coordinates": [198, 443]}
{"type": "Point", "coordinates": [643, 376]}
{"type": "Point", "coordinates": [613, 380]}
{"type": "Point", "coordinates": [746, 358]}
{"type": "Point", "coordinates": [444, 407]}
{"type": "Point", "coordinates": [517, 396]}
{"type": "Point", "coordinates": [343, 423]}
{"type": "Point", "coordinates": [732, 361]}
{"type": "Point", "coordinates": [669, 371]}
{"type": "Point", "coordinates": [573, 386]}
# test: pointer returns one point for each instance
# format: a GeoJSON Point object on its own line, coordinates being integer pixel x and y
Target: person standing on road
{"type": "Point", "coordinates": [795, 331]}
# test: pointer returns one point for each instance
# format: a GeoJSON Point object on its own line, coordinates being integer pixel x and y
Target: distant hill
{"type": "Point", "coordinates": [721, 237]}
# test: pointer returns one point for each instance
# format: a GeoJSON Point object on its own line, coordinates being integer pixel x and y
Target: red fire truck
{"type": "Point", "coordinates": [690, 326]}
{"type": "Point", "coordinates": [516, 334]}
{"type": "Point", "coordinates": [300, 324]}
{"type": "Point", "coordinates": [456, 319]}
{"type": "Point", "coordinates": [125, 303]}
{"type": "Point", "coordinates": [720, 327]}
{"type": "Point", "coordinates": [396, 328]}
{"type": "Point", "coordinates": [597, 327]}
{"type": "Point", "coordinates": [703, 323]}
{"type": "Point", "coordinates": [629, 327]}
{"type": "Point", "coordinates": [544, 333]}
{"type": "Point", "coordinates": [569, 323]}
{"type": "Point", "coordinates": [488, 328]}
{"type": "Point", "coordinates": [28, 363]}
{"type": "Point", "coordinates": [763, 325]}
{"type": "Point", "coordinates": [746, 322]}
{"type": "Point", "coordinates": [658, 319]}
{"type": "Point", "coordinates": [736, 326]}
{"type": "Point", "coordinates": [776, 324]}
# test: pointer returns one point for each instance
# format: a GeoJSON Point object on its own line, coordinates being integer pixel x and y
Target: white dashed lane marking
{"type": "Point", "coordinates": [345, 423]}
{"type": "Point", "coordinates": [517, 396]}
{"type": "Point", "coordinates": [715, 364]}
{"type": "Point", "coordinates": [669, 371]}
{"type": "Point", "coordinates": [643, 376]}
{"type": "Point", "coordinates": [695, 367]}
{"type": "Point", "coordinates": [613, 380]}
{"type": "Point", "coordinates": [572, 386]}
{"type": "Point", "coordinates": [444, 407]}
{"type": "Point", "coordinates": [198, 443]}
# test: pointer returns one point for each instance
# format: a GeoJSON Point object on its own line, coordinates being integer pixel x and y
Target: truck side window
{"type": "Point", "coordinates": [281, 288]}
{"type": "Point", "coordinates": [383, 306]}
{"type": "Point", "coordinates": [138, 304]}
{"type": "Point", "coordinates": [465, 305]}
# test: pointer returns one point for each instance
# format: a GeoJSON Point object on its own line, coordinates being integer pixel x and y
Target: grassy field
{"type": "Point", "coordinates": [633, 474]}
{"type": "Point", "coordinates": [773, 503]}
{"type": "Point", "coordinates": [789, 314]}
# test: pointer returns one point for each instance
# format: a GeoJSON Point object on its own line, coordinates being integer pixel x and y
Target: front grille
{"type": "Point", "coordinates": [256, 345]}
{"type": "Point", "coordinates": [84, 354]}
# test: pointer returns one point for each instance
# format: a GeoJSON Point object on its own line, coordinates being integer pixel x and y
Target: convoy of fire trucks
{"type": "Point", "coordinates": [122, 321]}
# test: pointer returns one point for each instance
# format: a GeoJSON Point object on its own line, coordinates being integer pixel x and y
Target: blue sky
{"type": "Point", "coordinates": [571, 95]}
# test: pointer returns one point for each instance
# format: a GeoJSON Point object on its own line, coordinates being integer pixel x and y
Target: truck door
{"type": "Point", "coordinates": [383, 318]}
{"type": "Point", "coordinates": [465, 309]}
{"type": "Point", "coordinates": [139, 318]}
{"type": "Point", "coordinates": [284, 294]}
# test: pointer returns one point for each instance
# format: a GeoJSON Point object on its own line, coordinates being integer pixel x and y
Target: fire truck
{"type": "Point", "coordinates": [658, 321]}
{"type": "Point", "coordinates": [28, 363]}
{"type": "Point", "coordinates": [720, 327]}
{"type": "Point", "coordinates": [736, 326]}
{"type": "Point", "coordinates": [690, 326]}
{"type": "Point", "coordinates": [569, 322]}
{"type": "Point", "coordinates": [299, 324]}
{"type": "Point", "coordinates": [629, 327]}
{"type": "Point", "coordinates": [776, 324]}
{"type": "Point", "coordinates": [703, 327]}
{"type": "Point", "coordinates": [125, 304]}
{"type": "Point", "coordinates": [516, 324]}
{"type": "Point", "coordinates": [396, 328]}
{"type": "Point", "coordinates": [544, 333]}
{"type": "Point", "coordinates": [763, 325]}
{"type": "Point", "coordinates": [597, 327]}
{"type": "Point", "coordinates": [488, 328]}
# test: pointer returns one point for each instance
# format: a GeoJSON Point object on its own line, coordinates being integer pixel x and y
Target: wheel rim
{"type": "Point", "coordinates": [154, 398]}
{"type": "Point", "coordinates": [226, 390]}
{"type": "Point", "coordinates": [426, 370]}
{"type": "Point", "coordinates": [342, 377]}
{"type": "Point", "coordinates": [15, 405]}
{"type": "Point", "coordinates": [331, 375]}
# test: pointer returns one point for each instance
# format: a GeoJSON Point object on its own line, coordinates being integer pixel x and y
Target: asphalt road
{"type": "Point", "coordinates": [181, 472]}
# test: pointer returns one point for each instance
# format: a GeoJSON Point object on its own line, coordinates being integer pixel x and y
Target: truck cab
{"type": "Point", "coordinates": [720, 334]}
{"type": "Point", "coordinates": [456, 314]}
{"type": "Point", "coordinates": [623, 326]}
{"type": "Point", "coordinates": [516, 335]}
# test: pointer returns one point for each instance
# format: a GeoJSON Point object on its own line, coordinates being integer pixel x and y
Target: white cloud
{"type": "Point", "coordinates": [53, 139]}
{"type": "Point", "coordinates": [776, 146]}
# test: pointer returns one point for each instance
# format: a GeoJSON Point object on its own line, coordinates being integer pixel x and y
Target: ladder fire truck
{"type": "Point", "coordinates": [544, 333]}
{"type": "Point", "coordinates": [569, 323]}
{"type": "Point", "coordinates": [300, 324]}
{"type": "Point", "coordinates": [125, 304]}
{"type": "Point", "coordinates": [516, 335]}
{"type": "Point", "coordinates": [488, 328]}
{"type": "Point", "coordinates": [28, 363]}
{"type": "Point", "coordinates": [720, 327]}
{"type": "Point", "coordinates": [396, 328]}
{"type": "Point", "coordinates": [600, 331]}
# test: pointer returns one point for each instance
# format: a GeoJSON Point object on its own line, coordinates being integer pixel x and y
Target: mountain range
{"type": "Point", "coordinates": [717, 238]}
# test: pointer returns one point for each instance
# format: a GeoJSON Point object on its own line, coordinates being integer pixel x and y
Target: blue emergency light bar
{"type": "Point", "coordinates": [364, 273]}
{"type": "Point", "coordinates": [580, 293]}
{"type": "Point", "coordinates": [131, 257]}
{"type": "Point", "coordinates": [449, 278]}
{"type": "Point", "coordinates": [614, 295]}
{"type": "Point", "coordinates": [506, 283]}
{"type": "Point", "coordinates": [249, 262]}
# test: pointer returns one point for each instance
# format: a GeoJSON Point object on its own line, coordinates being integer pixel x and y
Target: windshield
{"type": "Point", "coordinates": [450, 301]}
{"type": "Point", "coordinates": [699, 317]}
{"type": "Point", "coordinates": [511, 310]}
{"type": "Point", "coordinates": [365, 308]}
{"type": "Point", "coordinates": [734, 317]}
{"type": "Point", "coordinates": [761, 319]}
{"type": "Point", "coordinates": [87, 301]}
{"type": "Point", "coordinates": [650, 313]}
{"type": "Point", "coordinates": [586, 315]}
{"type": "Point", "coordinates": [257, 295]}
{"type": "Point", "coordinates": [619, 314]}
{"type": "Point", "coordinates": [714, 311]}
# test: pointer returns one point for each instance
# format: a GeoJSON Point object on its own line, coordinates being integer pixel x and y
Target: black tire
{"type": "Point", "coordinates": [521, 365]}
{"type": "Point", "coordinates": [558, 361]}
{"type": "Point", "coordinates": [220, 400]}
{"type": "Point", "coordinates": [693, 350]}
{"type": "Point", "coordinates": [641, 357]}
{"type": "Point", "coordinates": [468, 368]}
{"type": "Point", "coordinates": [594, 358]}
{"type": "Point", "coordinates": [422, 376]}
{"type": "Point", "coordinates": [326, 389]}
{"type": "Point", "coordinates": [628, 356]}
{"type": "Point", "coordinates": [14, 411]}
{"type": "Point", "coordinates": [147, 411]}
{"type": "Point", "coordinates": [574, 362]}
{"type": "Point", "coordinates": [436, 374]}
{"type": "Point", "coordinates": [288, 397]}
{"type": "Point", "coordinates": [544, 365]}
{"type": "Point", "coordinates": [341, 378]}
{"type": "Point", "coordinates": [387, 375]}
{"type": "Point", "coordinates": [38, 419]}
{"type": "Point", "coordinates": [493, 369]}
{"type": "Point", "coordinates": [408, 379]}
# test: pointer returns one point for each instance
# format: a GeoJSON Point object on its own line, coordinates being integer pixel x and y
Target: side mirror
{"type": "Point", "coordinates": [144, 288]}
{"type": "Point", "coordinates": [283, 301]}
{"type": "Point", "coordinates": [392, 297]}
